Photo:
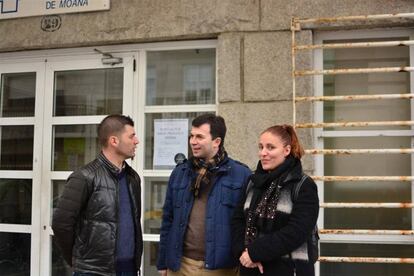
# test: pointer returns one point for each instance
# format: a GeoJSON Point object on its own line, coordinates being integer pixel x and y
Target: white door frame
{"type": "Point", "coordinates": [35, 175]}
{"type": "Point", "coordinates": [53, 65]}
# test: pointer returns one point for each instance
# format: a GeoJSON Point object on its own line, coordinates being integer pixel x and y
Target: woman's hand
{"type": "Point", "coordinates": [247, 262]}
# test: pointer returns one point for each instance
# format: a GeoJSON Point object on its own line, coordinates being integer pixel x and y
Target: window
{"type": "Point", "coordinates": [377, 168]}
{"type": "Point", "coordinates": [180, 85]}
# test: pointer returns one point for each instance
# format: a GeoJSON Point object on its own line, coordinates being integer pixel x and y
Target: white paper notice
{"type": "Point", "coordinates": [170, 138]}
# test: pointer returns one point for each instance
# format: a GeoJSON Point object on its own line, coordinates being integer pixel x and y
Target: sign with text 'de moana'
{"type": "Point", "coordinates": [26, 8]}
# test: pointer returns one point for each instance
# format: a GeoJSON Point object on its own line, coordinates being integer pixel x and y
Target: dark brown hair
{"type": "Point", "coordinates": [289, 137]}
{"type": "Point", "coordinates": [217, 125]}
{"type": "Point", "coordinates": [112, 125]}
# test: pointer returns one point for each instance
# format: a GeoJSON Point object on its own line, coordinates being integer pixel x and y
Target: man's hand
{"type": "Point", "coordinates": [162, 272]}
{"type": "Point", "coordinates": [247, 262]}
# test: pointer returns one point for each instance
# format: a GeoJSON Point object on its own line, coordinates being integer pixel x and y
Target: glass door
{"type": "Point", "coordinates": [20, 179]}
{"type": "Point", "coordinates": [80, 94]}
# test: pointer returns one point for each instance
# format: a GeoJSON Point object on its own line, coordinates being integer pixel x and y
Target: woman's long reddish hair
{"type": "Point", "coordinates": [289, 137]}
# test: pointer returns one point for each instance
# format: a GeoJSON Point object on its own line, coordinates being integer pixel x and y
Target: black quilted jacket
{"type": "Point", "coordinates": [85, 221]}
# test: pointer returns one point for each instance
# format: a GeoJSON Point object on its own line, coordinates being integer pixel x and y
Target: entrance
{"type": "Point", "coordinates": [51, 104]}
{"type": "Point", "coordinates": [49, 113]}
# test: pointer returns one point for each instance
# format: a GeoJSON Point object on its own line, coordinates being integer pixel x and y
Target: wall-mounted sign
{"type": "Point", "coordinates": [25, 8]}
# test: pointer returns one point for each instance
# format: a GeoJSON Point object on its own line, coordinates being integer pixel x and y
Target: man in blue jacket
{"type": "Point", "coordinates": [201, 196]}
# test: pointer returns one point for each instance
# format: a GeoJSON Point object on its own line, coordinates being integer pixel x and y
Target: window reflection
{"type": "Point", "coordinates": [18, 94]}
{"type": "Point", "coordinates": [368, 191]}
{"type": "Point", "coordinates": [16, 147]}
{"type": "Point", "coordinates": [14, 254]}
{"type": "Point", "coordinates": [88, 92]}
{"type": "Point", "coordinates": [15, 201]}
{"type": "Point", "coordinates": [59, 265]}
{"type": "Point", "coordinates": [181, 77]}
{"type": "Point", "coordinates": [74, 146]}
{"type": "Point", "coordinates": [369, 110]}
{"type": "Point", "coordinates": [372, 83]}
{"type": "Point", "coordinates": [155, 191]}
{"type": "Point", "coordinates": [198, 83]}
{"type": "Point", "coordinates": [150, 258]}
{"type": "Point", "coordinates": [58, 186]}
{"type": "Point", "coordinates": [57, 190]}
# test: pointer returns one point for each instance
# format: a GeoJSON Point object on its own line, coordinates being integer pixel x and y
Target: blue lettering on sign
{"type": "Point", "coordinates": [50, 5]}
{"type": "Point", "coordinates": [8, 6]}
{"type": "Point", "coordinates": [72, 3]}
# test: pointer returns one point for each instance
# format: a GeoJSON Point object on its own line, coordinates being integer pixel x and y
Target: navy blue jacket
{"type": "Point", "coordinates": [231, 176]}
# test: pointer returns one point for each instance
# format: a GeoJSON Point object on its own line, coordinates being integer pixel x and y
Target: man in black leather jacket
{"type": "Point", "coordinates": [96, 223]}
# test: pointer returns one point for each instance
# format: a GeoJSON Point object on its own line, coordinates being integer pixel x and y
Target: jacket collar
{"type": "Point", "coordinates": [111, 167]}
{"type": "Point", "coordinates": [223, 167]}
{"type": "Point", "coordinates": [295, 173]}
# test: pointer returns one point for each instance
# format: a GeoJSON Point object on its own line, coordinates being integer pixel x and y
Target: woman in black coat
{"type": "Point", "coordinates": [272, 228]}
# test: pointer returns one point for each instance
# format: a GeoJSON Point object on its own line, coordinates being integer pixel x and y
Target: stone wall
{"type": "Point", "coordinates": [254, 49]}
{"type": "Point", "coordinates": [132, 21]}
{"type": "Point", "coordinates": [255, 87]}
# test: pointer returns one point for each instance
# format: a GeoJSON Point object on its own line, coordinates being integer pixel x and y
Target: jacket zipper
{"type": "Point", "coordinates": [216, 177]}
{"type": "Point", "coordinates": [117, 221]}
{"type": "Point", "coordinates": [137, 206]}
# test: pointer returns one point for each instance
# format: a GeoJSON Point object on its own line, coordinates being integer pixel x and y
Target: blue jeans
{"type": "Point", "coordinates": [93, 274]}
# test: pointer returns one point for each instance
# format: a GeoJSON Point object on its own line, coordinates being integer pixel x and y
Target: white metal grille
{"type": "Point", "coordinates": [301, 24]}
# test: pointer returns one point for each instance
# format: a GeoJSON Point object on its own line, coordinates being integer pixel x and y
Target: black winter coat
{"type": "Point", "coordinates": [283, 248]}
{"type": "Point", "coordinates": [85, 221]}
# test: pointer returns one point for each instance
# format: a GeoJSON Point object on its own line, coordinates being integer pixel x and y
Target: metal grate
{"type": "Point", "coordinates": [296, 26]}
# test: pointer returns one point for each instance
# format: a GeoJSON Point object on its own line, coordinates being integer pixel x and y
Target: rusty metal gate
{"type": "Point", "coordinates": [299, 25]}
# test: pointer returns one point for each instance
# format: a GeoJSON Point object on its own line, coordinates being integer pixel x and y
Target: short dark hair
{"type": "Point", "coordinates": [217, 125]}
{"type": "Point", "coordinates": [112, 125]}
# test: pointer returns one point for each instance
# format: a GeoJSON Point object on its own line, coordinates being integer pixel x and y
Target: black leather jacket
{"type": "Point", "coordinates": [85, 221]}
